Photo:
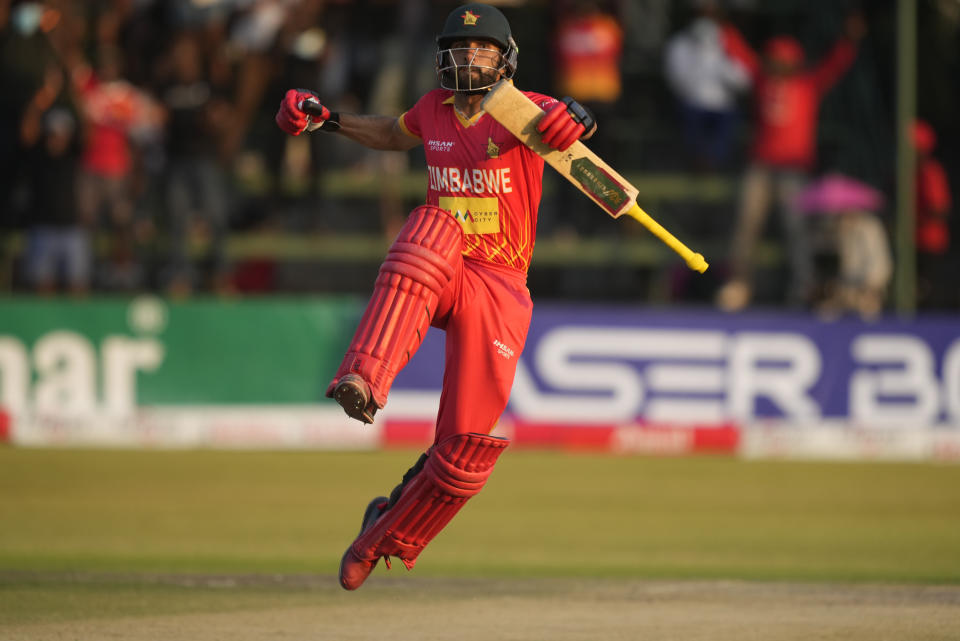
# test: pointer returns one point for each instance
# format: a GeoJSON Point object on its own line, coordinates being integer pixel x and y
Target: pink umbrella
{"type": "Point", "coordinates": [837, 194]}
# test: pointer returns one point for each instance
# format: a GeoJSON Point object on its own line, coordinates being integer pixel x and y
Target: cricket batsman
{"type": "Point", "coordinates": [459, 263]}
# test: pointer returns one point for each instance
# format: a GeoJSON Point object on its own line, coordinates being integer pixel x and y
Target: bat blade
{"type": "Point", "coordinates": [591, 175]}
{"type": "Point", "coordinates": [594, 177]}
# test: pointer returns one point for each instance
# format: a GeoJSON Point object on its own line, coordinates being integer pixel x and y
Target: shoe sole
{"type": "Point", "coordinates": [353, 397]}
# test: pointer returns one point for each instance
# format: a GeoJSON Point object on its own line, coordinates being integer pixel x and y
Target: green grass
{"type": "Point", "coordinates": [542, 514]}
{"type": "Point", "coordinates": [25, 602]}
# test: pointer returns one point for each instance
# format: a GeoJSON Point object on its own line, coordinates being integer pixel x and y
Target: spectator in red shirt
{"type": "Point", "coordinates": [588, 45]}
{"type": "Point", "coordinates": [114, 110]}
{"type": "Point", "coordinates": [933, 203]}
{"type": "Point", "coordinates": [787, 97]}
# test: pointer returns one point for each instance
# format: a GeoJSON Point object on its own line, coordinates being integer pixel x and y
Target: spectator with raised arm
{"type": "Point", "coordinates": [787, 96]}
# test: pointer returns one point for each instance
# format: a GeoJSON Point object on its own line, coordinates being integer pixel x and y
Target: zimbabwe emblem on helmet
{"type": "Point", "coordinates": [470, 17]}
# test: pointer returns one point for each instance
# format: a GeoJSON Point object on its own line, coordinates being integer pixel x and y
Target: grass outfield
{"type": "Point", "coordinates": [542, 514]}
{"type": "Point", "coordinates": [65, 514]}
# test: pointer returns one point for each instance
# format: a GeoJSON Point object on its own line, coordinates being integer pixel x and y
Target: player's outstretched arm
{"type": "Point", "coordinates": [301, 110]}
{"type": "Point", "coordinates": [377, 132]}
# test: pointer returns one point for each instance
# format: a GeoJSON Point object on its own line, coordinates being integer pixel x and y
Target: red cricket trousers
{"type": "Point", "coordinates": [485, 311]}
{"type": "Point", "coordinates": [484, 308]}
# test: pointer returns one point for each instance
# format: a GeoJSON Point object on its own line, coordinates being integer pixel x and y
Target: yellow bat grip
{"type": "Point", "coordinates": [694, 261]}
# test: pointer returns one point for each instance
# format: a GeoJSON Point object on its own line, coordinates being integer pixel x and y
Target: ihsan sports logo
{"type": "Point", "coordinates": [440, 145]}
{"type": "Point", "coordinates": [503, 350]}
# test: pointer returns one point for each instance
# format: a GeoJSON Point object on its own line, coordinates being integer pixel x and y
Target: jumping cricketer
{"type": "Point", "coordinates": [459, 264]}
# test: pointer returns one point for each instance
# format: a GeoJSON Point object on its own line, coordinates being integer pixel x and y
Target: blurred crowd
{"type": "Point", "coordinates": [123, 125]}
{"type": "Point", "coordinates": [137, 135]}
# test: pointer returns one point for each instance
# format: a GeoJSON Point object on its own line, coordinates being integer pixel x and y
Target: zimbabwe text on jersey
{"type": "Point", "coordinates": [477, 181]}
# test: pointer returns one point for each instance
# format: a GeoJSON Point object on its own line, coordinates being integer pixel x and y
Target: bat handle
{"type": "Point", "coordinates": [694, 260]}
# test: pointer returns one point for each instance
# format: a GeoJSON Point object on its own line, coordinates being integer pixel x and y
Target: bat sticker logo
{"type": "Point", "coordinates": [598, 184]}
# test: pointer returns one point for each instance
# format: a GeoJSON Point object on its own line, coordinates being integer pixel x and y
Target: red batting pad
{"type": "Point", "coordinates": [456, 470]}
{"type": "Point", "coordinates": [420, 264]}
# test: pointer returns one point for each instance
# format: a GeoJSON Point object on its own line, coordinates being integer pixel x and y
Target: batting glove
{"type": "Point", "coordinates": [565, 122]}
{"type": "Point", "coordinates": [300, 110]}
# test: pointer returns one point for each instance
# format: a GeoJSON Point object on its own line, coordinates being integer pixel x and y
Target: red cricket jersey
{"type": "Point", "coordinates": [112, 110]}
{"type": "Point", "coordinates": [933, 201]}
{"type": "Point", "coordinates": [787, 106]}
{"type": "Point", "coordinates": [480, 173]}
{"type": "Point", "coordinates": [588, 50]}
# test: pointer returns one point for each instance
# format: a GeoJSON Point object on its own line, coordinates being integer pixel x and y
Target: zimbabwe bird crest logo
{"type": "Point", "coordinates": [493, 151]}
{"type": "Point", "coordinates": [469, 18]}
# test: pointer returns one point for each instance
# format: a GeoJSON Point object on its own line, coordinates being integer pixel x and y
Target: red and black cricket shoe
{"type": "Point", "coordinates": [354, 570]}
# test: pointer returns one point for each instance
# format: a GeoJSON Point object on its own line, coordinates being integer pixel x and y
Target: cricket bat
{"type": "Point", "coordinates": [608, 189]}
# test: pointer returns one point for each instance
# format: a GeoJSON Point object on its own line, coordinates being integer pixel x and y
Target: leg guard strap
{"type": "Point", "coordinates": [454, 471]}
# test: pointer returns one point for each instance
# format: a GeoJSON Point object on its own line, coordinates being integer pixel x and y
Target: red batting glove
{"type": "Point", "coordinates": [558, 127]}
{"type": "Point", "coordinates": [291, 116]}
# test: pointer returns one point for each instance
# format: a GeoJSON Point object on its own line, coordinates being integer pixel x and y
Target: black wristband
{"type": "Point", "coordinates": [332, 123]}
{"type": "Point", "coordinates": [580, 114]}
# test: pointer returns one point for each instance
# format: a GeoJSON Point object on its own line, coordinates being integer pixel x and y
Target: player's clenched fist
{"type": "Point", "coordinates": [300, 110]}
{"type": "Point", "coordinates": [565, 122]}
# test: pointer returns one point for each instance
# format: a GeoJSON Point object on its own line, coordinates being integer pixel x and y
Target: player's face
{"type": "Point", "coordinates": [476, 52]}
{"type": "Point", "coordinates": [476, 63]}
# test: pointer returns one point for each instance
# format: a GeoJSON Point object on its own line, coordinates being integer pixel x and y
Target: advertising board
{"type": "Point", "coordinates": [148, 372]}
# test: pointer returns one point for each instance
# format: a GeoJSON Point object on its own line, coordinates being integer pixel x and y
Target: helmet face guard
{"type": "Point", "coordinates": [467, 70]}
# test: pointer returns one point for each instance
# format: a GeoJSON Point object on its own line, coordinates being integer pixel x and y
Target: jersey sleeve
{"type": "Point", "coordinates": [835, 64]}
{"type": "Point", "coordinates": [737, 48]}
{"type": "Point", "coordinates": [411, 121]}
{"type": "Point", "coordinates": [412, 129]}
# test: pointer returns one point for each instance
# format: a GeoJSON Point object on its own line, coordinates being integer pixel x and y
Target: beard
{"type": "Point", "coordinates": [469, 79]}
